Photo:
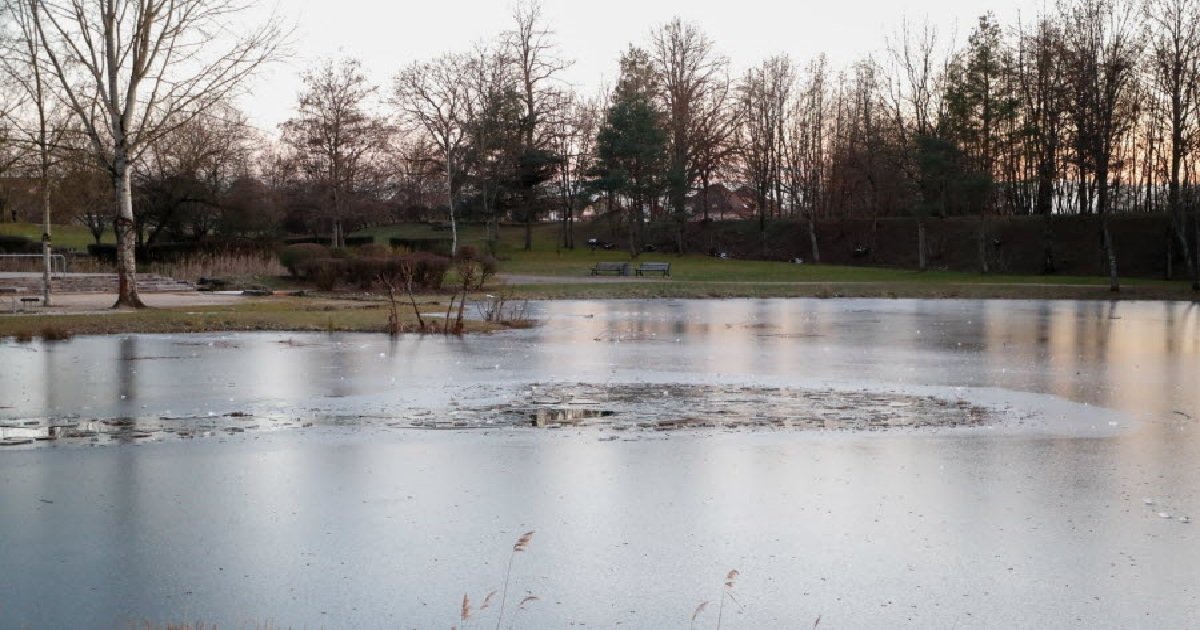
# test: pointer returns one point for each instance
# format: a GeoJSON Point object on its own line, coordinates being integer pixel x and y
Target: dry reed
{"type": "Point", "coordinates": [521, 545]}
{"type": "Point", "coordinates": [221, 266]}
{"type": "Point", "coordinates": [727, 592]}
{"type": "Point", "coordinates": [54, 333]}
{"type": "Point", "coordinates": [696, 613]}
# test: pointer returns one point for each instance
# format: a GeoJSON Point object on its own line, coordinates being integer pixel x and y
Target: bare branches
{"type": "Point", "coordinates": [133, 71]}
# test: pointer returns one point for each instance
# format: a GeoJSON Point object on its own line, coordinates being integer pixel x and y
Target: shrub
{"type": "Point", "coordinates": [296, 257]}
{"type": "Point", "coordinates": [365, 271]}
{"type": "Point", "coordinates": [373, 250]}
{"type": "Point", "coordinates": [429, 270]}
{"type": "Point", "coordinates": [327, 272]}
{"type": "Point", "coordinates": [487, 263]}
{"type": "Point", "coordinates": [323, 272]}
{"type": "Point", "coordinates": [54, 333]}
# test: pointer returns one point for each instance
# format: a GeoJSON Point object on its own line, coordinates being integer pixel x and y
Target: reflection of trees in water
{"type": "Point", "coordinates": [127, 373]}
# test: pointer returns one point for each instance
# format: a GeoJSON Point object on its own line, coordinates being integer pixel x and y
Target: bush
{"type": "Point", "coordinates": [323, 272]}
{"type": "Point", "coordinates": [296, 257]}
{"type": "Point", "coordinates": [364, 271]}
{"type": "Point", "coordinates": [487, 263]}
{"type": "Point", "coordinates": [429, 270]}
{"type": "Point", "coordinates": [373, 250]}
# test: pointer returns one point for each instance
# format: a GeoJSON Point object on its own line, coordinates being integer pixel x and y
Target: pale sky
{"type": "Point", "coordinates": [386, 35]}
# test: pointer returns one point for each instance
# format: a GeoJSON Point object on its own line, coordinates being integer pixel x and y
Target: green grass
{"type": "Point", "coordinates": [695, 275]}
{"type": "Point", "coordinates": [281, 314]}
{"type": "Point", "coordinates": [694, 268]}
{"type": "Point", "coordinates": [76, 237]}
{"type": "Point", "coordinates": [705, 276]}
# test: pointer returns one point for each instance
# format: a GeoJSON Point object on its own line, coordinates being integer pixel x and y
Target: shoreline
{"type": "Point", "coordinates": [197, 312]}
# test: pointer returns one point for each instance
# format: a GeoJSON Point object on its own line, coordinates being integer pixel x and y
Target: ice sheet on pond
{"type": "Point", "coordinates": [1042, 509]}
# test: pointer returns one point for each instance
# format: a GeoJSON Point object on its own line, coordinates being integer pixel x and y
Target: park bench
{"type": "Point", "coordinates": [615, 268]}
{"type": "Point", "coordinates": [654, 267]}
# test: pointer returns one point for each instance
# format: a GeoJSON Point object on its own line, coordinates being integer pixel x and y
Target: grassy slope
{"type": "Point", "coordinates": [73, 236]}
{"type": "Point", "coordinates": [705, 276]}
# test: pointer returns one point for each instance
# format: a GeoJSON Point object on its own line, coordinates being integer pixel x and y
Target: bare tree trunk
{"type": "Point", "coordinates": [1110, 255]}
{"type": "Point", "coordinates": [127, 293]}
{"type": "Point", "coordinates": [982, 237]}
{"type": "Point", "coordinates": [1179, 230]}
{"type": "Point", "coordinates": [1169, 274]}
{"type": "Point", "coordinates": [921, 244]}
{"type": "Point", "coordinates": [528, 228]}
{"type": "Point", "coordinates": [450, 205]}
{"type": "Point", "coordinates": [1114, 283]}
{"type": "Point", "coordinates": [1048, 264]}
{"type": "Point", "coordinates": [812, 238]}
{"type": "Point", "coordinates": [1196, 258]}
{"type": "Point", "coordinates": [762, 221]}
{"type": "Point", "coordinates": [47, 254]}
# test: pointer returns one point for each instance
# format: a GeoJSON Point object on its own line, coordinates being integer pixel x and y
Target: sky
{"type": "Point", "coordinates": [387, 35]}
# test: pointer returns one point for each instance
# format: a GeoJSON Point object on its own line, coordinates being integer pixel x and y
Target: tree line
{"type": "Point", "coordinates": [1090, 108]}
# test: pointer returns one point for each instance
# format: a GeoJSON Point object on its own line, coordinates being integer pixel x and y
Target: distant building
{"type": "Point", "coordinates": [723, 203]}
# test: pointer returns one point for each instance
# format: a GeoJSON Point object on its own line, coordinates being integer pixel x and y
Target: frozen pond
{"type": "Point", "coordinates": [301, 494]}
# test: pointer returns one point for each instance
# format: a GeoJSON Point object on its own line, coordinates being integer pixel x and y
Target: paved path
{"type": "Point", "coordinates": [101, 302]}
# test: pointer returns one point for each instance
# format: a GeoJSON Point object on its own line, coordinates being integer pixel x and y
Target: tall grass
{"type": "Point", "coordinates": [221, 266]}
{"type": "Point", "coordinates": [521, 545]}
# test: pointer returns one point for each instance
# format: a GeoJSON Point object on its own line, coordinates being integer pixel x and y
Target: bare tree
{"type": "Point", "coordinates": [690, 75]}
{"type": "Point", "coordinates": [530, 46]}
{"type": "Point", "coordinates": [574, 144]}
{"type": "Point", "coordinates": [763, 96]}
{"type": "Point", "coordinates": [1103, 47]}
{"type": "Point", "coordinates": [1175, 70]}
{"type": "Point", "coordinates": [916, 101]}
{"type": "Point", "coordinates": [1044, 91]}
{"type": "Point", "coordinates": [804, 155]}
{"type": "Point", "coordinates": [717, 138]}
{"type": "Point", "coordinates": [336, 136]}
{"type": "Point", "coordinates": [22, 61]}
{"type": "Point", "coordinates": [133, 70]}
{"type": "Point", "coordinates": [181, 181]}
{"type": "Point", "coordinates": [433, 96]}
{"type": "Point", "coordinates": [492, 126]}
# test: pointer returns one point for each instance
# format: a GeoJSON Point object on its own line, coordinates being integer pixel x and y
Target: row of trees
{"type": "Point", "coordinates": [1091, 108]}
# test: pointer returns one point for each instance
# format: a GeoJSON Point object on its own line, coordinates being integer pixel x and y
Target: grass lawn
{"type": "Point", "coordinates": [76, 237]}
{"type": "Point", "coordinates": [705, 276]}
{"type": "Point", "coordinates": [282, 314]}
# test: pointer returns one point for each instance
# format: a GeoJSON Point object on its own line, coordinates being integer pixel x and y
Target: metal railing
{"type": "Point", "coordinates": [54, 258]}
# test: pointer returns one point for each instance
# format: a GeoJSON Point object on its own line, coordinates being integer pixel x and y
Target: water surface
{"type": "Point", "coordinates": [1040, 519]}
